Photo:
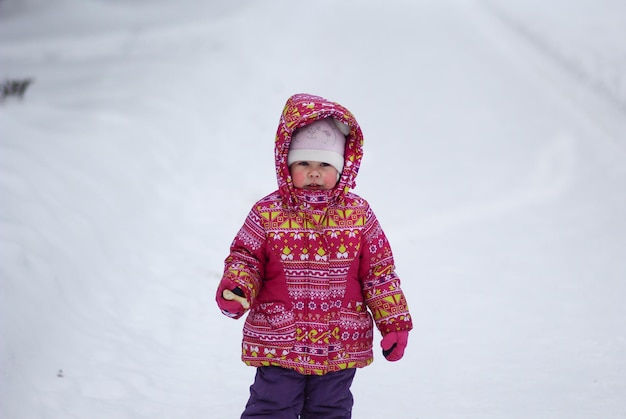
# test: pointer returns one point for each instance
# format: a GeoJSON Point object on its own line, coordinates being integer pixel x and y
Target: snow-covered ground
{"type": "Point", "coordinates": [494, 158]}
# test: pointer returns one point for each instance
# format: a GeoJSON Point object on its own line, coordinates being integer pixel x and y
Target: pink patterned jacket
{"type": "Point", "coordinates": [312, 263]}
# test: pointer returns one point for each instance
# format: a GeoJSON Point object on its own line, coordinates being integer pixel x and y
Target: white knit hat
{"type": "Point", "coordinates": [323, 140]}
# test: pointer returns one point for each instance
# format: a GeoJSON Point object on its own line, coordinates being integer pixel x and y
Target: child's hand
{"type": "Point", "coordinates": [394, 344]}
{"type": "Point", "coordinates": [231, 300]}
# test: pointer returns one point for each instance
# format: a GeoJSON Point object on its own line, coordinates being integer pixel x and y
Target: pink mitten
{"type": "Point", "coordinates": [394, 344]}
{"type": "Point", "coordinates": [230, 308]}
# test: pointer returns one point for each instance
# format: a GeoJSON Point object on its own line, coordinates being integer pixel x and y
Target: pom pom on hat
{"type": "Point", "coordinates": [323, 140]}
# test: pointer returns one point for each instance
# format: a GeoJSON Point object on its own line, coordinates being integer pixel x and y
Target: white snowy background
{"type": "Point", "coordinates": [495, 158]}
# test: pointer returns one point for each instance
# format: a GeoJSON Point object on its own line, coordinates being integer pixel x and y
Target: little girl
{"type": "Point", "coordinates": [314, 267]}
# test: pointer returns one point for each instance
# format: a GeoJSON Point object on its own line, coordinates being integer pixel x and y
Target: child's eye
{"type": "Point", "coordinates": [325, 164]}
{"type": "Point", "coordinates": [303, 163]}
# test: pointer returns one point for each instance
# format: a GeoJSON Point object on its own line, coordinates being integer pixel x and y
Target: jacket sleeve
{"type": "Point", "coordinates": [245, 264]}
{"type": "Point", "coordinates": [381, 285]}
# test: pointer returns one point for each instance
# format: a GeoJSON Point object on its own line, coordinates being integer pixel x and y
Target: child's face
{"type": "Point", "coordinates": [313, 175]}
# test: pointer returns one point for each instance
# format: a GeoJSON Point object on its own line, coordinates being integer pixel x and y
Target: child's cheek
{"type": "Point", "coordinates": [298, 179]}
{"type": "Point", "coordinates": [330, 179]}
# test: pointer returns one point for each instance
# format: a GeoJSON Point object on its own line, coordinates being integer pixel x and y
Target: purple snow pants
{"type": "Point", "coordinates": [279, 393]}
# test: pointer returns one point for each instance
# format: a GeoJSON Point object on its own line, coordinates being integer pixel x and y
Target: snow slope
{"type": "Point", "coordinates": [495, 142]}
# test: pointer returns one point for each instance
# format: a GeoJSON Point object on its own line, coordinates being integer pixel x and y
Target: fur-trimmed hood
{"type": "Point", "coordinates": [300, 110]}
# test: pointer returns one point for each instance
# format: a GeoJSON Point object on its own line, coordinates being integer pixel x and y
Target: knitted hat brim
{"type": "Point", "coordinates": [324, 156]}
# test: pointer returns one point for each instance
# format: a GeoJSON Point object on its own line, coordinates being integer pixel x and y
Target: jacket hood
{"type": "Point", "coordinates": [300, 110]}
